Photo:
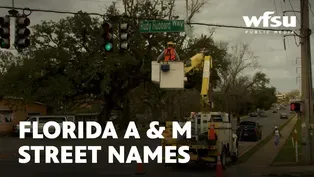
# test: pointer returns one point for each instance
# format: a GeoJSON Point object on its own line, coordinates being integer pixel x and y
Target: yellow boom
{"type": "Point", "coordinates": [200, 61]}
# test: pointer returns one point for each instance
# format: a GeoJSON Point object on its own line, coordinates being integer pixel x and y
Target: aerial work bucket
{"type": "Point", "coordinates": [168, 76]}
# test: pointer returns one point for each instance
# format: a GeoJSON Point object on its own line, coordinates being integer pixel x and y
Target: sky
{"type": "Point", "coordinates": [280, 65]}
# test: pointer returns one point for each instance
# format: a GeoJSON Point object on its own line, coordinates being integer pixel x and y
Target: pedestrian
{"type": "Point", "coordinates": [277, 136]}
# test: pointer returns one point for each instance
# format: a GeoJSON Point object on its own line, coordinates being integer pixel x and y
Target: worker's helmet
{"type": "Point", "coordinates": [276, 127]}
{"type": "Point", "coordinates": [170, 43]}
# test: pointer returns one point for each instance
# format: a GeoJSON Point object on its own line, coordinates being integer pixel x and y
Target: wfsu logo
{"type": "Point", "coordinates": [270, 21]}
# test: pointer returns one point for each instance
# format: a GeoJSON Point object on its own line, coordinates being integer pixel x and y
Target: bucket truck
{"type": "Point", "coordinates": [201, 148]}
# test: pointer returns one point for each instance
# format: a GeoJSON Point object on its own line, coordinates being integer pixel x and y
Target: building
{"type": "Point", "coordinates": [281, 97]}
{"type": "Point", "coordinates": [13, 110]}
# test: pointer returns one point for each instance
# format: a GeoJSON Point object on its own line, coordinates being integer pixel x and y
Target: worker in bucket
{"type": "Point", "coordinates": [169, 54]}
{"type": "Point", "coordinates": [277, 136]}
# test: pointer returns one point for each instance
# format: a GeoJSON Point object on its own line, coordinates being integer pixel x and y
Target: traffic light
{"type": "Point", "coordinates": [22, 32]}
{"type": "Point", "coordinates": [5, 32]}
{"type": "Point", "coordinates": [295, 107]}
{"type": "Point", "coordinates": [107, 36]}
{"type": "Point", "coordinates": [124, 36]}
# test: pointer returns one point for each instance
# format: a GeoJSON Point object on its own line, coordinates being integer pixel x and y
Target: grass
{"type": "Point", "coordinates": [259, 145]}
{"type": "Point", "coordinates": [287, 152]}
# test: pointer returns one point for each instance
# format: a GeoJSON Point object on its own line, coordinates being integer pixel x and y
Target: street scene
{"type": "Point", "coordinates": [10, 165]}
{"type": "Point", "coordinates": [238, 71]}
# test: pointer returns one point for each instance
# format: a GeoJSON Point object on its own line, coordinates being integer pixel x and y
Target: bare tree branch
{"type": "Point", "coordinates": [195, 7]}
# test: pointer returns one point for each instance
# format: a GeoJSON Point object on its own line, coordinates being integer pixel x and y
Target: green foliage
{"type": "Point", "coordinates": [264, 97]}
{"type": "Point", "coordinates": [66, 64]}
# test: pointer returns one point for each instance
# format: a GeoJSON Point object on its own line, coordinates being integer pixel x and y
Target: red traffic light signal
{"type": "Point", "coordinates": [108, 36]}
{"type": "Point", "coordinates": [23, 21]}
{"type": "Point", "coordinates": [295, 107]}
{"type": "Point", "coordinates": [292, 107]}
{"type": "Point", "coordinates": [5, 21]}
{"type": "Point", "coordinates": [107, 27]}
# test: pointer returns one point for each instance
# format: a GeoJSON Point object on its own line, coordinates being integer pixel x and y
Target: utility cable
{"type": "Point", "coordinates": [282, 6]}
{"type": "Point", "coordinates": [140, 18]}
{"type": "Point", "coordinates": [239, 27]}
{"type": "Point", "coordinates": [294, 11]}
{"type": "Point", "coordinates": [276, 10]}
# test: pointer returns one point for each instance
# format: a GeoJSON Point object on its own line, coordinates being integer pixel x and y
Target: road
{"type": "Point", "coordinates": [9, 165]}
{"type": "Point", "coordinates": [268, 124]}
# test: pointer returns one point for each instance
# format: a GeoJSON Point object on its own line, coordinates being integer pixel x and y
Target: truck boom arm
{"type": "Point", "coordinates": [200, 61]}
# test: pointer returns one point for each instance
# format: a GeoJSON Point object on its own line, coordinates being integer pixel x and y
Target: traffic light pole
{"type": "Point", "coordinates": [307, 116]}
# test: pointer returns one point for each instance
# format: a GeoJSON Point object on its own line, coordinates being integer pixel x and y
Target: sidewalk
{"type": "Point", "coordinates": [258, 163]}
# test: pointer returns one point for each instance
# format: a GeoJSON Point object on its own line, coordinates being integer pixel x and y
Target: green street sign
{"type": "Point", "coordinates": [159, 26]}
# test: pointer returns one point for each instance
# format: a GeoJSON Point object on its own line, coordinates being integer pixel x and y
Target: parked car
{"type": "Point", "coordinates": [283, 115]}
{"type": "Point", "coordinates": [253, 114]}
{"type": "Point", "coordinates": [262, 114]}
{"type": "Point", "coordinates": [249, 130]}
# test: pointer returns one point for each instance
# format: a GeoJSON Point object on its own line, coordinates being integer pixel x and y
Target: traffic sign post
{"type": "Point", "coordinates": [159, 26]}
{"type": "Point", "coordinates": [295, 144]}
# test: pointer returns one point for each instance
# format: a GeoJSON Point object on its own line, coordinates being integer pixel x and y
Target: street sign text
{"type": "Point", "coordinates": [157, 26]}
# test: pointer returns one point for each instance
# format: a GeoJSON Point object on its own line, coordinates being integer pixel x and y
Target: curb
{"type": "Point", "coordinates": [267, 137]}
{"type": "Point", "coordinates": [285, 164]}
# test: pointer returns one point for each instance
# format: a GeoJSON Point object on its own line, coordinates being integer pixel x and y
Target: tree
{"type": "Point", "coordinates": [238, 93]}
{"type": "Point", "coordinates": [65, 65]}
{"type": "Point", "coordinates": [239, 59]}
{"type": "Point", "coordinates": [293, 94]}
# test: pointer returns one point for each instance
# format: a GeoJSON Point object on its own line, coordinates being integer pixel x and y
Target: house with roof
{"type": "Point", "coordinates": [14, 109]}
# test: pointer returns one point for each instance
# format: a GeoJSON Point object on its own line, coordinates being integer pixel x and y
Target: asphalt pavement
{"type": "Point", "coordinates": [9, 165]}
{"type": "Point", "coordinates": [268, 123]}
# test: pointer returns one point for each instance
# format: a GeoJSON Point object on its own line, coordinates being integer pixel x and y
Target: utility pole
{"type": "Point", "coordinates": [306, 77]}
{"type": "Point", "coordinates": [188, 28]}
{"type": "Point", "coordinates": [298, 79]}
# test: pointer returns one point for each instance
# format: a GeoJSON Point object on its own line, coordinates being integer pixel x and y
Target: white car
{"type": "Point", "coordinates": [41, 122]}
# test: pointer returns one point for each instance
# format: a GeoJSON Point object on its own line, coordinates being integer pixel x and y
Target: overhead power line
{"type": "Point", "coordinates": [275, 7]}
{"type": "Point", "coordinates": [141, 18]}
{"type": "Point", "coordinates": [47, 11]}
{"type": "Point", "coordinates": [240, 27]}
{"type": "Point", "coordinates": [294, 11]}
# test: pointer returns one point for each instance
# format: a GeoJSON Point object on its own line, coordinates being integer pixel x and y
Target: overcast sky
{"type": "Point", "coordinates": [278, 64]}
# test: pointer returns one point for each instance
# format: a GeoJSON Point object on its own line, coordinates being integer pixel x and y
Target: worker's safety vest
{"type": "Point", "coordinates": [169, 54]}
